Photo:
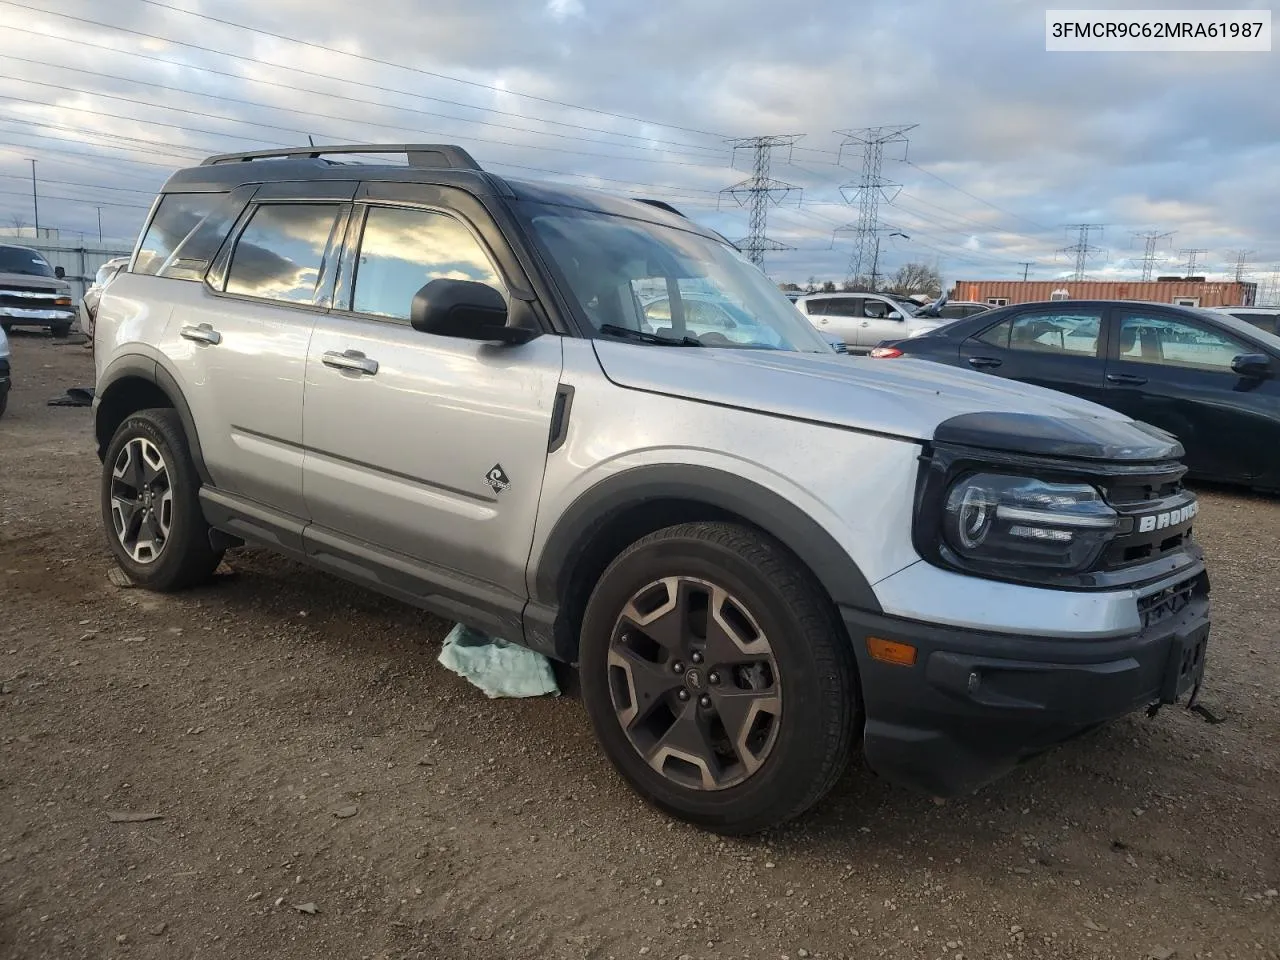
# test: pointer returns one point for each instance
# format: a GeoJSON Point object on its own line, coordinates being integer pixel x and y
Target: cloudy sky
{"type": "Point", "coordinates": [1010, 145]}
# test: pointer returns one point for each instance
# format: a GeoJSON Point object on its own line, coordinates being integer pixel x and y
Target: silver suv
{"type": "Point", "coordinates": [485, 397]}
{"type": "Point", "coordinates": [864, 320]}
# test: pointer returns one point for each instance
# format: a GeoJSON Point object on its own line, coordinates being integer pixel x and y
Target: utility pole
{"type": "Point", "coordinates": [99, 224]}
{"type": "Point", "coordinates": [35, 199]}
{"type": "Point", "coordinates": [1082, 249]}
{"type": "Point", "coordinates": [1149, 258]}
{"type": "Point", "coordinates": [758, 191]}
{"type": "Point", "coordinates": [868, 190]}
{"type": "Point", "coordinates": [1026, 268]}
{"type": "Point", "coordinates": [1242, 257]}
{"type": "Point", "coordinates": [1189, 263]}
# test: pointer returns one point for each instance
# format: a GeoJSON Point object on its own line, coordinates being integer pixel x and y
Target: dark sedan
{"type": "Point", "coordinates": [1204, 376]}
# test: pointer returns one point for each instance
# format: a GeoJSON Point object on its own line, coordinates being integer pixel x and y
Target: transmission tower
{"type": "Point", "coordinates": [1082, 248]}
{"type": "Point", "coordinates": [758, 191]}
{"type": "Point", "coordinates": [1242, 258]}
{"type": "Point", "coordinates": [1191, 258]}
{"type": "Point", "coordinates": [1273, 295]}
{"type": "Point", "coordinates": [868, 189]}
{"type": "Point", "coordinates": [1149, 258]}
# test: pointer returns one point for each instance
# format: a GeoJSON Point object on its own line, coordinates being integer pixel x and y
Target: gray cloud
{"type": "Point", "coordinates": [1169, 141]}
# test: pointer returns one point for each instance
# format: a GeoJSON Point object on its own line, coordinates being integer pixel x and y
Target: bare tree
{"type": "Point", "coordinates": [828, 286]}
{"type": "Point", "coordinates": [916, 278]}
{"type": "Point", "coordinates": [812, 285]}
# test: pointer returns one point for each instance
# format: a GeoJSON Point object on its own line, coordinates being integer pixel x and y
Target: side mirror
{"type": "Point", "coordinates": [1252, 365]}
{"type": "Point", "coordinates": [467, 310]}
{"type": "Point", "coordinates": [59, 272]}
{"type": "Point", "coordinates": [894, 315]}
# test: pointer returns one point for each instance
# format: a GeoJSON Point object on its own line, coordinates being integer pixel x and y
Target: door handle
{"type": "Point", "coordinates": [982, 363]}
{"type": "Point", "coordinates": [204, 333]}
{"type": "Point", "coordinates": [1126, 378]}
{"type": "Point", "coordinates": [824, 320]}
{"type": "Point", "coordinates": [352, 360]}
{"type": "Point", "coordinates": [865, 323]}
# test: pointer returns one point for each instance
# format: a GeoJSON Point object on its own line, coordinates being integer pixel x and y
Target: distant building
{"type": "Point", "coordinates": [1187, 291]}
{"type": "Point", "coordinates": [79, 257]}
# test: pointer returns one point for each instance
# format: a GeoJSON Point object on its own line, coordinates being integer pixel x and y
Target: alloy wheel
{"type": "Point", "coordinates": [694, 683]}
{"type": "Point", "coordinates": [141, 500]}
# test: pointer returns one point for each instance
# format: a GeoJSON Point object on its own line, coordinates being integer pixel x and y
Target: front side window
{"type": "Point", "coordinates": [1150, 338]}
{"type": "Point", "coordinates": [402, 250]}
{"type": "Point", "coordinates": [24, 262]}
{"type": "Point", "coordinates": [877, 309]}
{"type": "Point", "coordinates": [280, 252]}
{"type": "Point", "coordinates": [1070, 333]}
{"type": "Point", "coordinates": [176, 216]}
{"type": "Point", "coordinates": [616, 268]}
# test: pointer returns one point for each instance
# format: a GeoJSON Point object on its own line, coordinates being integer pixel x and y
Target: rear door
{"type": "Point", "coordinates": [837, 315]}
{"type": "Point", "coordinates": [1054, 347]}
{"type": "Point", "coordinates": [1173, 371]}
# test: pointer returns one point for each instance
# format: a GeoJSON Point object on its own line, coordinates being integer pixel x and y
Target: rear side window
{"type": "Point", "coordinates": [281, 251]}
{"type": "Point", "coordinates": [177, 215]}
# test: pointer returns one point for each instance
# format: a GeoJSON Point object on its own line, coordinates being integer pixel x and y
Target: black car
{"type": "Point", "coordinates": [1203, 375]}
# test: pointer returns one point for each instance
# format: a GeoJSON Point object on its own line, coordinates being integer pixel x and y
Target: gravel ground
{"type": "Point", "coordinates": [326, 789]}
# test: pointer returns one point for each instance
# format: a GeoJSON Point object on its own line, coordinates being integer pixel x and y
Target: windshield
{"type": "Point", "coordinates": [24, 261]}
{"type": "Point", "coordinates": [631, 275]}
{"type": "Point", "coordinates": [1248, 330]}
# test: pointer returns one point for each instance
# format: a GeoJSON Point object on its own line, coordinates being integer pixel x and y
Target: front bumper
{"type": "Point", "coordinates": [976, 704]}
{"type": "Point", "coordinates": [41, 317]}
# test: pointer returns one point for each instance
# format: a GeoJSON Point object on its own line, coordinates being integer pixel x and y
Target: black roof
{"type": "Point", "coordinates": [438, 164]}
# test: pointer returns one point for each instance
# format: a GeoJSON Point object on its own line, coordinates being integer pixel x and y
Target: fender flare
{"type": "Point", "coordinates": [834, 569]}
{"type": "Point", "coordinates": [153, 371]}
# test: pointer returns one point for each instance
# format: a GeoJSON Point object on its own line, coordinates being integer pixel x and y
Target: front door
{"type": "Point", "coordinates": [430, 447]}
{"type": "Point", "coordinates": [1176, 373]}
{"type": "Point", "coordinates": [881, 320]}
{"type": "Point", "coordinates": [1054, 347]}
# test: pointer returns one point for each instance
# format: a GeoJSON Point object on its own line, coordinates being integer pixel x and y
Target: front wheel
{"type": "Point", "coordinates": [718, 678]}
{"type": "Point", "coordinates": [60, 331]}
{"type": "Point", "coordinates": [150, 504]}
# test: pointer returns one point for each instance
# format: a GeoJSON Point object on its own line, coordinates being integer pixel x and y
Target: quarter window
{"type": "Point", "coordinates": [176, 216]}
{"type": "Point", "coordinates": [1147, 338]}
{"type": "Point", "coordinates": [403, 249]}
{"type": "Point", "coordinates": [281, 251]}
{"type": "Point", "coordinates": [1066, 333]}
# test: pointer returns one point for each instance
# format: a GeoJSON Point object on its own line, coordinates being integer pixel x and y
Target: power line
{"type": "Point", "coordinates": [1242, 258]}
{"type": "Point", "coordinates": [1149, 258]}
{"type": "Point", "coordinates": [1082, 249]}
{"type": "Point", "coordinates": [758, 191]}
{"type": "Point", "coordinates": [105, 203]}
{"type": "Point", "coordinates": [323, 115]}
{"type": "Point", "coordinates": [1191, 256]}
{"type": "Point", "coordinates": [295, 130]}
{"type": "Point", "coordinates": [869, 189]}
{"type": "Point", "coordinates": [299, 70]}
{"type": "Point", "coordinates": [428, 73]}
{"type": "Point", "coordinates": [1008, 213]}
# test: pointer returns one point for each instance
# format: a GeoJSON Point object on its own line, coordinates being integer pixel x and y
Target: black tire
{"type": "Point", "coordinates": [4, 402]}
{"type": "Point", "coordinates": [60, 330]}
{"type": "Point", "coordinates": [816, 674]}
{"type": "Point", "coordinates": [186, 557]}
{"type": "Point", "coordinates": [6, 327]}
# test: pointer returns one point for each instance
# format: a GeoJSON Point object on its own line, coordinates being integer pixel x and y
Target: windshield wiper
{"type": "Point", "coordinates": [645, 337]}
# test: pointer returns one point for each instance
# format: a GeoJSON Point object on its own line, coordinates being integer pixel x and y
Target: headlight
{"type": "Point", "coordinates": [1008, 521]}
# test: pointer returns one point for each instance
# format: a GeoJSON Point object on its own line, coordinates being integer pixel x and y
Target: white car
{"type": "Point", "coordinates": [89, 305]}
{"type": "Point", "coordinates": [1265, 318]}
{"type": "Point", "coordinates": [863, 320]}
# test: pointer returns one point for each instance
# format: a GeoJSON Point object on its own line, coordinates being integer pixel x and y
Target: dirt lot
{"type": "Point", "coordinates": [304, 747]}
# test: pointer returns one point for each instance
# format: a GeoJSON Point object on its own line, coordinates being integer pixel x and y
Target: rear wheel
{"type": "Point", "coordinates": [150, 504]}
{"type": "Point", "coordinates": [718, 678]}
{"type": "Point", "coordinates": [60, 330]}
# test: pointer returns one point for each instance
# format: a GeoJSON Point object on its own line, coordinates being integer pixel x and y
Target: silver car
{"type": "Point", "coordinates": [92, 296]}
{"type": "Point", "coordinates": [442, 384]}
{"type": "Point", "coordinates": [863, 320]}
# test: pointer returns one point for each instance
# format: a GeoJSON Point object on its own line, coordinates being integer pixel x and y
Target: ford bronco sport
{"type": "Point", "coordinates": [443, 384]}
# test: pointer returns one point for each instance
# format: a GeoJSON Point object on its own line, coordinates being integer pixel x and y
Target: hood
{"type": "Point", "coordinates": [906, 398]}
{"type": "Point", "coordinates": [51, 284]}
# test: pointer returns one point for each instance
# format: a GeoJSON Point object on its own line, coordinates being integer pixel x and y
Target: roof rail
{"type": "Point", "coordinates": [418, 154]}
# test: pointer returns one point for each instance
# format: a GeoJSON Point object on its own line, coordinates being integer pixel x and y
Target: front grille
{"type": "Point", "coordinates": [30, 299]}
{"type": "Point", "coordinates": [1171, 601]}
{"type": "Point", "coordinates": [1158, 499]}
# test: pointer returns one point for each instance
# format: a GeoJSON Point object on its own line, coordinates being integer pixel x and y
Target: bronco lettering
{"type": "Point", "coordinates": [1170, 518]}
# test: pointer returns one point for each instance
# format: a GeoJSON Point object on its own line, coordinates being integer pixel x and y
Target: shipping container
{"type": "Point", "coordinates": [1192, 293]}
